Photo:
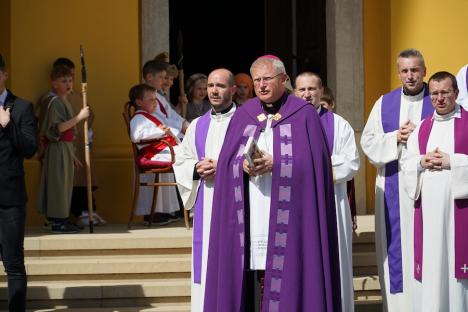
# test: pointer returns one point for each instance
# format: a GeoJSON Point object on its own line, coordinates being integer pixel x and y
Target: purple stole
{"type": "Point", "coordinates": [461, 205]}
{"type": "Point", "coordinates": [391, 103]}
{"type": "Point", "coordinates": [328, 122]}
{"type": "Point", "coordinates": [201, 132]}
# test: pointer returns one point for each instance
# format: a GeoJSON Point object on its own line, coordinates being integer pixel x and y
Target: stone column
{"type": "Point", "coordinates": [345, 70]}
{"type": "Point", "coordinates": [154, 36]}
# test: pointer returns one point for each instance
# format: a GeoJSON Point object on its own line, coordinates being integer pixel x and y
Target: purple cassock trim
{"type": "Point", "coordinates": [201, 132]}
{"type": "Point", "coordinates": [391, 103]}
{"type": "Point", "coordinates": [461, 205]}
{"type": "Point", "coordinates": [328, 123]}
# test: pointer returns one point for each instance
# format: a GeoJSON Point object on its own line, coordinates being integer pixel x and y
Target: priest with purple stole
{"type": "Point", "coordinates": [391, 121]}
{"type": "Point", "coordinates": [345, 164]}
{"type": "Point", "coordinates": [195, 171]}
{"type": "Point", "coordinates": [436, 177]}
{"type": "Point", "coordinates": [275, 217]}
{"type": "Point", "coordinates": [462, 81]}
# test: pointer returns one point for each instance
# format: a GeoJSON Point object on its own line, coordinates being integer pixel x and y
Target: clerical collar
{"type": "Point", "coordinates": [416, 96]}
{"type": "Point", "coordinates": [275, 107]}
{"type": "Point", "coordinates": [224, 111]}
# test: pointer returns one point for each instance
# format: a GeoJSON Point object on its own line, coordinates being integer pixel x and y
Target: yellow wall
{"type": "Point", "coordinates": [376, 26]}
{"type": "Point", "coordinates": [435, 28]}
{"type": "Point", "coordinates": [43, 30]}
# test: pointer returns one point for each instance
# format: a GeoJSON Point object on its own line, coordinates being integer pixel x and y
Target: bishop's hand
{"type": "Point", "coordinates": [261, 166]}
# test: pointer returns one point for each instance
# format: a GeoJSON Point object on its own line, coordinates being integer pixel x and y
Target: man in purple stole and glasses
{"type": "Point", "coordinates": [273, 222]}
{"type": "Point", "coordinates": [436, 177]}
{"type": "Point", "coordinates": [462, 81]}
{"type": "Point", "coordinates": [195, 171]}
{"type": "Point", "coordinates": [391, 122]}
{"type": "Point", "coordinates": [345, 164]}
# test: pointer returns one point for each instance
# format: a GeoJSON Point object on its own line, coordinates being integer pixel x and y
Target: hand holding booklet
{"type": "Point", "coordinates": [251, 151]}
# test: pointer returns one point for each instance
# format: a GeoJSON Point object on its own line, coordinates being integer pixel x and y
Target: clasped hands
{"type": "Point", "coordinates": [262, 164]}
{"type": "Point", "coordinates": [206, 168]}
{"type": "Point", "coordinates": [405, 131]}
{"type": "Point", "coordinates": [435, 160]}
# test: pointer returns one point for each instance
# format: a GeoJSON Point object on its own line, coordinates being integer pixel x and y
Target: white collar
{"type": "Point", "coordinates": [220, 116]}
{"type": "Point", "coordinates": [413, 98]}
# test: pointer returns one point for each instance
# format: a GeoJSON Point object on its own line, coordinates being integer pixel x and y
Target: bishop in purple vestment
{"type": "Point", "coordinates": [278, 216]}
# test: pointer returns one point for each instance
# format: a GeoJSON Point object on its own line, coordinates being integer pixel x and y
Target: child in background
{"type": "Point", "coordinates": [57, 133]}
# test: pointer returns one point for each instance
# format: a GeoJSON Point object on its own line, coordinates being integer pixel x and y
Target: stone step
{"type": "Point", "coordinates": [91, 305]}
{"type": "Point", "coordinates": [364, 259]}
{"type": "Point", "coordinates": [105, 289]}
{"type": "Point", "coordinates": [130, 264]}
{"type": "Point", "coordinates": [367, 297]}
{"type": "Point", "coordinates": [111, 237]}
{"type": "Point", "coordinates": [365, 283]}
{"type": "Point", "coordinates": [164, 308]}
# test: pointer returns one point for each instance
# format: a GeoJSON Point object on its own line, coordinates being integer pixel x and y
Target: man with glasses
{"type": "Point", "coordinates": [436, 176]}
{"type": "Point", "coordinates": [274, 223]}
{"type": "Point", "coordinates": [391, 122]}
{"type": "Point", "coordinates": [18, 133]}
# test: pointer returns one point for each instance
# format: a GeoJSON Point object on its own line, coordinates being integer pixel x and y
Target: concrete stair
{"type": "Point", "coordinates": [367, 296]}
{"type": "Point", "coordinates": [116, 270]}
{"type": "Point", "coordinates": [111, 270]}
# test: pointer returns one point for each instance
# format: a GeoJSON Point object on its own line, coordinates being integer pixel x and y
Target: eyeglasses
{"type": "Point", "coordinates": [444, 94]}
{"type": "Point", "coordinates": [266, 79]}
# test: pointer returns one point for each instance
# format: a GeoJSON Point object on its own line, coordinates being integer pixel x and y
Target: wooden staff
{"type": "Point", "coordinates": [84, 88]}
{"type": "Point", "coordinates": [180, 65]}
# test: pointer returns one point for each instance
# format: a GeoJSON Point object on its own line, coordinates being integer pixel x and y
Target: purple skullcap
{"type": "Point", "coordinates": [270, 56]}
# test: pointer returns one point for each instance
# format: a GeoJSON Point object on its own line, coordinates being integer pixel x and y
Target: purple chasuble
{"type": "Point", "coordinates": [328, 122]}
{"type": "Point", "coordinates": [302, 267]}
{"type": "Point", "coordinates": [461, 205]}
{"type": "Point", "coordinates": [391, 103]}
{"type": "Point", "coordinates": [201, 132]}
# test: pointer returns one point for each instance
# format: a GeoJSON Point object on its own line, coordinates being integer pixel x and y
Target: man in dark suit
{"type": "Point", "coordinates": [18, 140]}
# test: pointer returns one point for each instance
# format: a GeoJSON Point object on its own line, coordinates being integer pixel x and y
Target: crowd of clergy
{"type": "Point", "coordinates": [266, 169]}
{"type": "Point", "coordinates": [272, 233]}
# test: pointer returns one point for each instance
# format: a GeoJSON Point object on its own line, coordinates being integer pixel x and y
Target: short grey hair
{"type": "Point", "coordinates": [278, 66]}
{"type": "Point", "coordinates": [412, 53]}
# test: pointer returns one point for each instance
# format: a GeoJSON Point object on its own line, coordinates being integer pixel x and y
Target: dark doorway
{"type": "Point", "coordinates": [232, 34]}
{"type": "Point", "coordinates": [217, 34]}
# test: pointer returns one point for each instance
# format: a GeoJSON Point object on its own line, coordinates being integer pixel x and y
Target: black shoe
{"type": "Point", "coordinates": [64, 228]}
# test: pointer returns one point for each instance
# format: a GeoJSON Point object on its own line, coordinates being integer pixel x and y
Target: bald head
{"type": "Point", "coordinates": [220, 89]}
{"type": "Point", "coordinates": [308, 87]}
{"type": "Point", "coordinates": [223, 72]}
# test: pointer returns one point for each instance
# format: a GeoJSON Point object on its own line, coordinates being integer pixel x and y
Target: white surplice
{"type": "Point", "coordinates": [141, 128]}
{"type": "Point", "coordinates": [345, 163]}
{"type": "Point", "coordinates": [171, 119]}
{"type": "Point", "coordinates": [439, 289]}
{"type": "Point", "coordinates": [186, 158]}
{"type": "Point", "coordinates": [382, 148]}
{"type": "Point", "coordinates": [462, 98]}
{"type": "Point", "coordinates": [260, 200]}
